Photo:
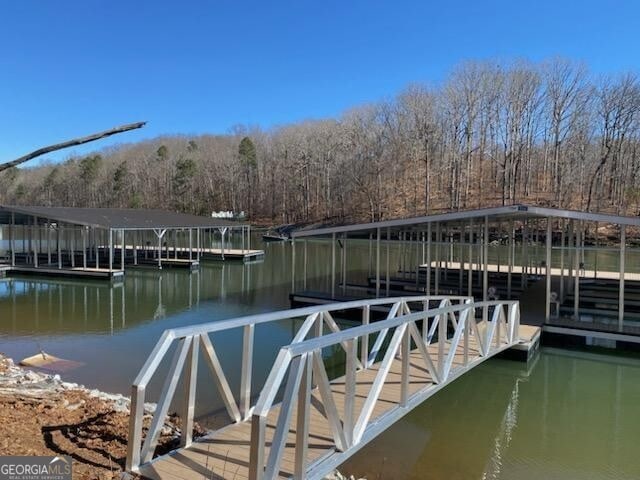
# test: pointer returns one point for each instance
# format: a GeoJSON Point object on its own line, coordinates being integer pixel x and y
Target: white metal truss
{"type": "Point", "coordinates": [444, 331]}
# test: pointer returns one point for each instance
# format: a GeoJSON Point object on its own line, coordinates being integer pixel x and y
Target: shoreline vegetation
{"type": "Point", "coordinates": [492, 133]}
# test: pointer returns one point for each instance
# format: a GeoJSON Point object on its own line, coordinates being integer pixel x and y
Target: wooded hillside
{"type": "Point", "coordinates": [491, 134]}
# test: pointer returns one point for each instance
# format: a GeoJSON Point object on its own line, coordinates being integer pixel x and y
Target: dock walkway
{"type": "Point", "coordinates": [517, 269]}
{"type": "Point", "coordinates": [94, 273]}
{"type": "Point", "coordinates": [319, 423]}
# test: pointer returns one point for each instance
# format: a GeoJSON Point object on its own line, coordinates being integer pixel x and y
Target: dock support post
{"type": "Point", "coordinates": [72, 247]}
{"type": "Point", "coordinates": [222, 232]}
{"type": "Point", "coordinates": [576, 272]}
{"type": "Point", "coordinates": [570, 246]}
{"type": "Point", "coordinates": [84, 247]}
{"type": "Point", "coordinates": [246, 370]}
{"type": "Point", "coordinates": [111, 250]}
{"type": "Point", "coordinates": [562, 241]}
{"type": "Point", "coordinates": [95, 239]}
{"type": "Point", "coordinates": [135, 247]}
{"type": "Point", "coordinates": [547, 305]}
{"type": "Point", "coordinates": [35, 244]}
{"type": "Point", "coordinates": [175, 244]}
{"type": "Point", "coordinates": [160, 234]}
{"type": "Point", "coordinates": [344, 263]}
{"type": "Point", "coordinates": [388, 280]}
{"type": "Point", "coordinates": [12, 240]}
{"type": "Point", "coordinates": [333, 266]}
{"type": "Point", "coordinates": [190, 244]}
{"type": "Point", "coordinates": [523, 255]}
{"type": "Point", "coordinates": [198, 244]}
{"type": "Point", "coordinates": [485, 267]}
{"type": "Point", "coordinates": [418, 258]}
{"type": "Point", "coordinates": [48, 242]}
{"type": "Point", "coordinates": [293, 265]}
{"type": "Point", "coordinates": [123, 250]}
{"type": "Point", "coordinates": [623, 249]}
{"type": "Point", "coordinates": [595, 254]}
{"type": "Point", "coordinates": [428, 285]}
{"type": "Point", "coordinates": [437, 245]}
{"type": "Point", "coordinates": [370, 255]}
{"type": "Point", "coordinates": [59, 248]}
{"type": "Point", "coordinates": [461, 261]}
{"type": "Point", "coordinates": [378, 262]}
{"type": "Point", "coordinates": [248, 237]}
{"type": "Point", "coordinates": [511, 255]}
{"type": "Point", "coordinates": [470, 253]}
{"type": "Point", "coordinates": [305, 259]}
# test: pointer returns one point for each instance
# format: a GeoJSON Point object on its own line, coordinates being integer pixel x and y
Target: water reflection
{"type": "Point", "coordinates": [573, 415]}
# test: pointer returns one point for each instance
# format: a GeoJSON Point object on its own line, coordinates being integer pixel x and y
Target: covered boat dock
{"type": "Point", "coordinates": [101, 242]}
{"type": "Point", "coordinates": [574, 272]}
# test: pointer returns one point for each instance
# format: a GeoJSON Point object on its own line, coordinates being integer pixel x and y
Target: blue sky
{"type": "Point", "coordinates": [69, 68]}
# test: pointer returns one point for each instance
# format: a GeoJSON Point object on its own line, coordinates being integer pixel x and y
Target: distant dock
{"type": "Point", "coordinates": [101, 243]}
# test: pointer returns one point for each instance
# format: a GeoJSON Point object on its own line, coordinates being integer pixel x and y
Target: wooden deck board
{"type": "Point", "coordinates": [224, 454]}
{"type": "Point", "coordinates": [502, 268]}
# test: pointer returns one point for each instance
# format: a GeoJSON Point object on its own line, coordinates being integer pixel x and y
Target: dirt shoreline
{"type": "Point", "coordinates": [42, 415]}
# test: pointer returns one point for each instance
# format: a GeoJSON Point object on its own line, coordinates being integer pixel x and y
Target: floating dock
{"type": "Point", "coordinates": [102, 242]}
{"type": "Point", "coordinates": [79, 272]}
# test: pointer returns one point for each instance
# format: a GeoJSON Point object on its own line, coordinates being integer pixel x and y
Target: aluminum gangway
{"type": "Point", "coordinates": [303, 424]}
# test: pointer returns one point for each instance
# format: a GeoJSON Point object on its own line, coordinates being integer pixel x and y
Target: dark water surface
{"type": "Point", "coordinates": [568, 416]}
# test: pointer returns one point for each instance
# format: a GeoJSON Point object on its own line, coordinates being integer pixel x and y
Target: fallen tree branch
{"type": "Point", "coordinates": [71, 143]}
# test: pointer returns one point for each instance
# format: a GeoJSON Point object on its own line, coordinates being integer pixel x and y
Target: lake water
{"type": "Point", "coordinates": [567, 416]}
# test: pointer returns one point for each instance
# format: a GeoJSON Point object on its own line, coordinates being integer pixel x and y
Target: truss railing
{"type": "Point", "coordinates": [305, 367]}
{"type": "Point", "coordinates": [318, 325]}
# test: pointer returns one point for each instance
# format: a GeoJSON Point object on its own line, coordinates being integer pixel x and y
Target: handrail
{"type": "Point", "coordinates": [304, 359]}
{"type": "Point", "coordinates": [194, 339]}
{"type": "Point", "coordinates": [297, 349]}
{"type": "Point", "coordinates": [259, 318]}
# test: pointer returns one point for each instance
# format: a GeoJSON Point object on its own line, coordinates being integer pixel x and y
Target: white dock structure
{"type": "Point", "coordinates": [317, 422]}
{"type": "Point", "coordinates": [101, 242]}
{"type": "Point", "coordinates": [583, 267]}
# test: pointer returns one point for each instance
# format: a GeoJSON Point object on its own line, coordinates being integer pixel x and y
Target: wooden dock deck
{"type": "Point", "coordinates": [516, 269]}
{"type": "Point", "coordinates": [95, 273]}
{"type": "Point", "coordinates": [225, 454]}
{"type": "Point", "coordinates": [167, 263]}
{"type": "Point", "coordinates": [171, 253]}
{"type": "Point", "coordinates": [378, 395]}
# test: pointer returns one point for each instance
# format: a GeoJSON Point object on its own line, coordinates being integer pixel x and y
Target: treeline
{"type": "Point", "coordinates": [492, 134]}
